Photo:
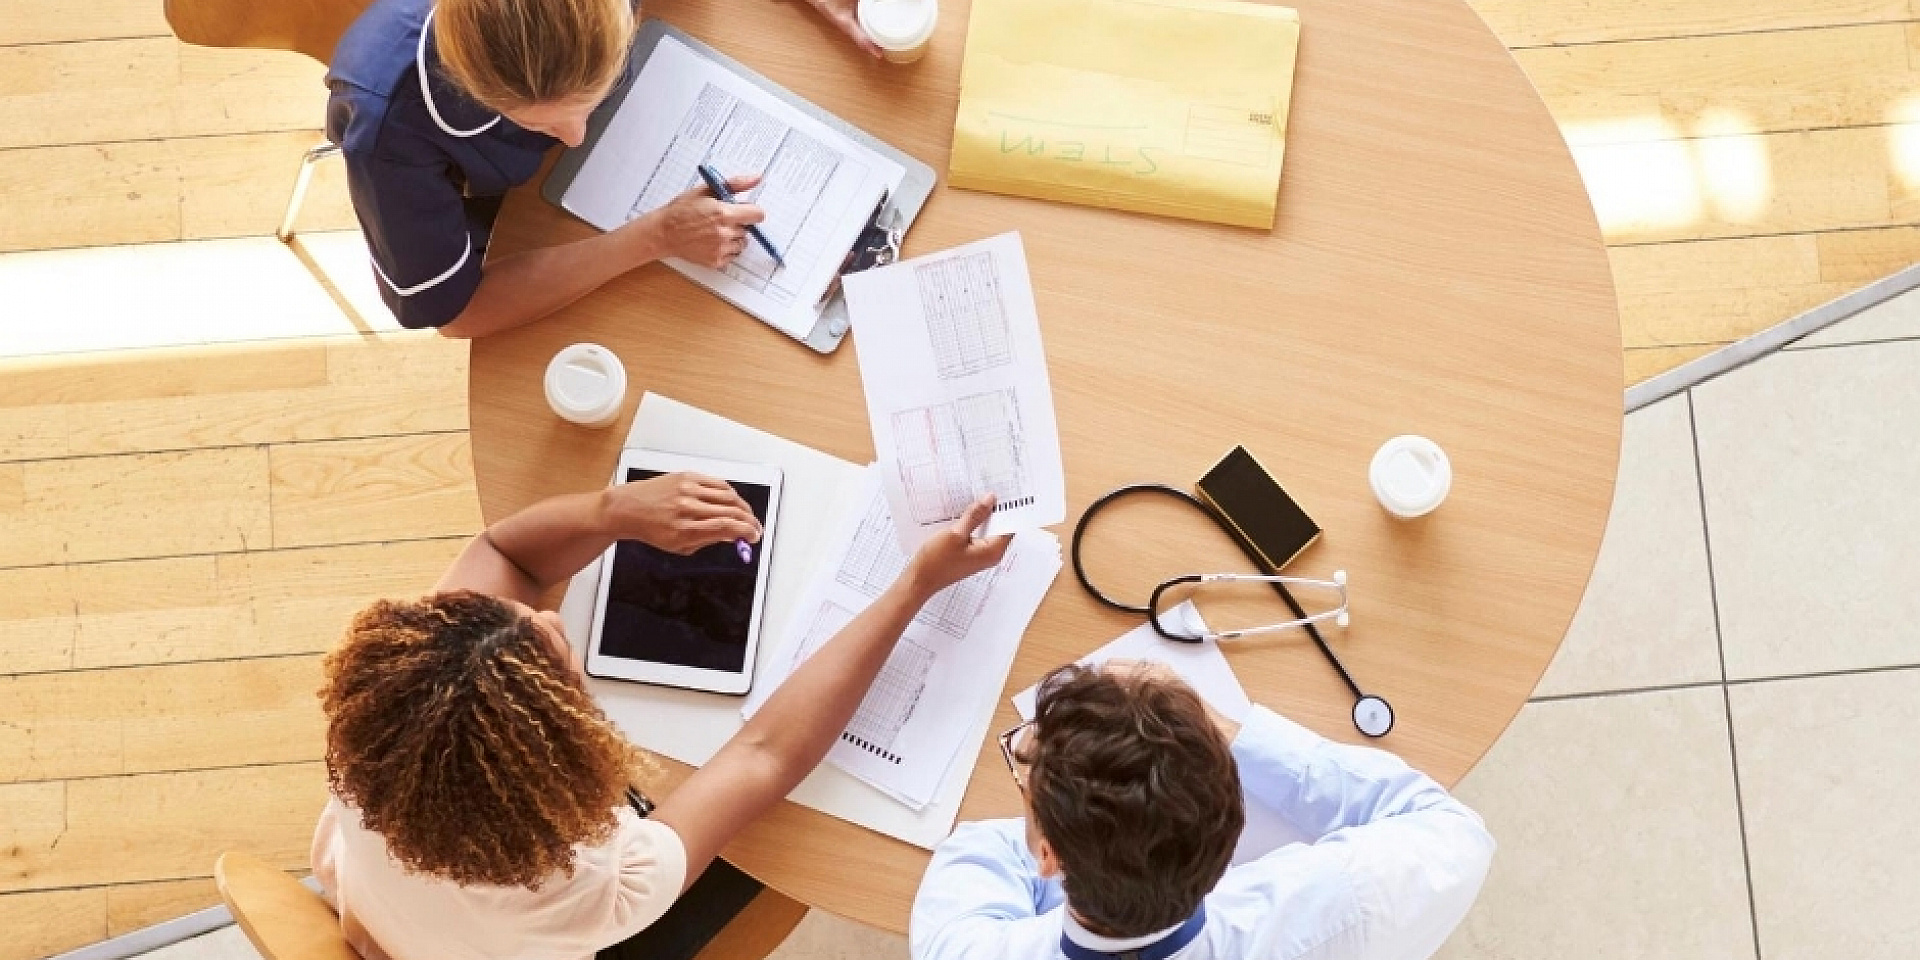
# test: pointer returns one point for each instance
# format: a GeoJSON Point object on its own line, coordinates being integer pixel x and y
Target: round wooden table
{"type": "Point", "coordinates": [1436, 269]}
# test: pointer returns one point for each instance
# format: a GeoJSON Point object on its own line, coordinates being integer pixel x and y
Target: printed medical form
{"type": "Point", "coordinates": [957, 388]}
{"type": "Point", "coordinates": [818, 187]}
{"type": "Point", "coordinates": [954, 655]}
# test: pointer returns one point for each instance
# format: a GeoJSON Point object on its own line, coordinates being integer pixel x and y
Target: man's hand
{"type": "Point", "coordinates": [954, 554]}
{"type": "Point", "coordinates": [698, 228]}
{"type": "Point", "coordinates": [840, 14]}
{"type": "Point", "coordinates": [680, 512]}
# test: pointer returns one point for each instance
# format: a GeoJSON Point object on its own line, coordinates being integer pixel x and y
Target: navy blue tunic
{"type": "Point", "coordinates": [426, 164]}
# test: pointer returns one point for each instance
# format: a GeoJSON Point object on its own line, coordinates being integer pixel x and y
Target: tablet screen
{"type": "Point", "coordinates": [691, 611]}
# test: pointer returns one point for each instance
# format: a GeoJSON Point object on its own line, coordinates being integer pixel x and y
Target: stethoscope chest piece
{"type": "Point", "coordinates": [1372, 716]}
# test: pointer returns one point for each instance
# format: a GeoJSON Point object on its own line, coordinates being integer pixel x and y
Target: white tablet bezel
{"type": "Point", "coordinates": [674, 675]}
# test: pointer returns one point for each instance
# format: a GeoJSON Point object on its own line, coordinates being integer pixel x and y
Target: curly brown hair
{"type": "Point", "coordinates": [465, 742]}
{"type": "Point", "coordinates": [1136, 791]}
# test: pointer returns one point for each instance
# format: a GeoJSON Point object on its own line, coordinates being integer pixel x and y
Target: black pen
{"type": "Point", "coordinates": [718, 185]}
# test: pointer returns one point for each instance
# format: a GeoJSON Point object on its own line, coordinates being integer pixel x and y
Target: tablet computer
{"type": "Point", "coordinates": [686, 621]}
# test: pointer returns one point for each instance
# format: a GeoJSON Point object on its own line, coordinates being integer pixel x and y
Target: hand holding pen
{"type": "Point", "coordinates": [722, 192]}
{"type": "Point", "coordinates": [701, 228]}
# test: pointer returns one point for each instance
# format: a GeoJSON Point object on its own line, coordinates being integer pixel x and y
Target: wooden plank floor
{"type": "Point", "coordinates": [183, 531]}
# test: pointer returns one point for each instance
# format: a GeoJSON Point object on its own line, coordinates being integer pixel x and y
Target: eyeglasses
{"type": "Point", "coordinates": [1172, 619]}
{"type": "Point", "coordinates": [1007, 751]}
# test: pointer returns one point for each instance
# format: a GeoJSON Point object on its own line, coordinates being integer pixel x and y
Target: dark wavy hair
{"type": "Point", "coordinates": [465, 742]}
{"type": "Point", "coordinates": [1136, 791]}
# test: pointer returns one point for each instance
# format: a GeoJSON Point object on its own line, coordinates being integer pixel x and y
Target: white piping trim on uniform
{"type": "Point", "coordinates": [430, 284]}
{"type": "Point", "coordinates": [420, 57]}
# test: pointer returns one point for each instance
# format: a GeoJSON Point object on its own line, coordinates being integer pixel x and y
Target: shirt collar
{"type": "Point", "coordinates": [1079, 943]}
{"type": "Point", "coordinates": [426, 85]}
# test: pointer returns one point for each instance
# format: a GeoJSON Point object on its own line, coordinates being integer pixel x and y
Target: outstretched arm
{"type": "Point", "coordinates": [790, 734]}
{"type": "Point", "coordinates": [522, 556]}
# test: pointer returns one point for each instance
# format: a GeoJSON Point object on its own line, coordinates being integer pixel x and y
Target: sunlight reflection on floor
{"type": "Point", "coordinates": [1648, 175]}
{"type": "Point", "coordinates": [162, 294]}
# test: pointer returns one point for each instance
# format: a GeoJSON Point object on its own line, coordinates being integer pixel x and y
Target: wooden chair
{"type": "Point", "coordinates": [312, 27]}
{"type": "Point", "coordinates": [287, 921]}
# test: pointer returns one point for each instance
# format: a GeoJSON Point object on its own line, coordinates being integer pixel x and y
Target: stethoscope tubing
{"type": "Point", "coordinates": [1080, 572]}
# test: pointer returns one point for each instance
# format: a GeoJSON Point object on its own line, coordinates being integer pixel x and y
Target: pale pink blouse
{"type": "Point", "coordinates": [390, 913]}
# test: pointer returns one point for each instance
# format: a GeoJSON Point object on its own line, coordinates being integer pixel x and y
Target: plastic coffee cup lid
{"type": "Point", "coordinates": [1410, 476]}
{"type": "Point", "coordinates": [586, 383]}
{"type": "Point", "coordinates": [898, 24]}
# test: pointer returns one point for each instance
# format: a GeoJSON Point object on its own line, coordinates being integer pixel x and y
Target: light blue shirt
{"type": "Point", "coordinates": [1395, 867]}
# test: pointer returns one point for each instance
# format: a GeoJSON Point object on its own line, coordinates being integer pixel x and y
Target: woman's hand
{"type": "Point", "coordinates": [840, 14]}
{"type": "Point", "coordinates": [698, 228]}
{"type": "Point", "coordinates": [680, 512]}
{"type": "Point", "coordinates": [954, 554]}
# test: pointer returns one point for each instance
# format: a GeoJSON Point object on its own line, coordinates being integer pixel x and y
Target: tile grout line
{"type": "Point", "coordinates": [1623, 691]}
{"type": "Point", "coordinates": [1736, 682]}
{"type": "Point", "coordinates": [1824, 674]}
{"type": "Point", "coordinates": [1726, 690]}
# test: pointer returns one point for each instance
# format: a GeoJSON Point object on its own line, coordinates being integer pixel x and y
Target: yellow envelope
{"type": "Point", "coordinates": [1172, 107]}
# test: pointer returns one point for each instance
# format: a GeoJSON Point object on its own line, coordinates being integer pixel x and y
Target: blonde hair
{"type": "Point", "coordinates": [509, 54]}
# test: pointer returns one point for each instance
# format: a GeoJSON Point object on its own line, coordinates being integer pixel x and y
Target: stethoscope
{"type": "Point", "coordinates": [1371, 713]}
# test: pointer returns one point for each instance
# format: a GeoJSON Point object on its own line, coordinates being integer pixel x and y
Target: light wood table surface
{"type": "Point", "coordinates": [1436, 269]}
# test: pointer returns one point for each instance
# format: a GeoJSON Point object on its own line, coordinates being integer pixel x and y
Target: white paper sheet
{"type": "Point", "coordinates": [1207, 671]}
{"type": "Point", "coordinates": [953, 656]}
{"type": "Point", "coordinates": [957, 388]}
{"type": "Point", "coordinates": [819, 188]}
{"type": "Point", "coordinates": [690, 726]}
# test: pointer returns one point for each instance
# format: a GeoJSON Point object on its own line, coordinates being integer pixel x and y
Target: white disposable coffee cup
{"type": "Point", "coordinates": [1410, 476]}
{"type": "Point", "coordinates": [586, 384]}
{"type": "Point", "coordinates": [902, 29]}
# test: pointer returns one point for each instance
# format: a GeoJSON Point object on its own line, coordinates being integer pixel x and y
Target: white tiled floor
{"type": "Point", "coordinates": [1681, 787]}
{"type": "Point", "coordinates": [1769, 817]}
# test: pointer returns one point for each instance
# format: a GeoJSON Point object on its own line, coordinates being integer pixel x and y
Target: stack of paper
{"type": "Point", "coordinates": [691, 726]}
{"type": "Point", "coordinates": [912, 725]}
{"type": "Point", "coordinates": [1173, 107]}
{"type": "Point", "coordinates": [957, 388]}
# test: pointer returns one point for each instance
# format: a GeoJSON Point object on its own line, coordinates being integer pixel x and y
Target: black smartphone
{"type": "Point", "coordinates": [1266, 521]}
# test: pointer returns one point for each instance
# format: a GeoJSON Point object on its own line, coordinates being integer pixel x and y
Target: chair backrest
{"type": "Point", "coordinates": [284, 919]}
{"type": "Point", "coordinates": [287, 921]}
{"type": "Point", "coordinates": [312, 27]}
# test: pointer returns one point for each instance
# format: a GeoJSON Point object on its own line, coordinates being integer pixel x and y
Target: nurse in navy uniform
{"type": "Point", "coordinates": [441, 108]}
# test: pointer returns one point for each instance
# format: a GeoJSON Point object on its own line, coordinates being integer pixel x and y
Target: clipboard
{"type": "Point", "coordinates": [879, 243]}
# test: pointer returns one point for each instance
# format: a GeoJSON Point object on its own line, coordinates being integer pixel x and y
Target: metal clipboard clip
{"type": "Point", "coordinates": [877, 245]}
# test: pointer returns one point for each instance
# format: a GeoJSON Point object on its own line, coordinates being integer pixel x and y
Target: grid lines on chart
{"type": "Point", "coordinates": [966, 318]}
{"type": "Point", "coordinates": [875, 560]}
{"type": "Point", "coordinates": [950, 453]}
{"type": "Point", "coordinates": [889, 703]}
